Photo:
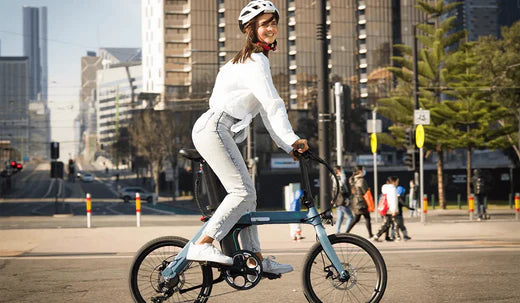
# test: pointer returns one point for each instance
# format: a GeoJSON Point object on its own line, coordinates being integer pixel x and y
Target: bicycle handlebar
{"type": "Point", "coordinates": [308, 155]}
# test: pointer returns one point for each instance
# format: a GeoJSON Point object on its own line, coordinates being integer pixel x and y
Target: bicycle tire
{"type": "Point", "coordinates": [145, 273]}
{"type": "Point", "coordinates": [363, 262]}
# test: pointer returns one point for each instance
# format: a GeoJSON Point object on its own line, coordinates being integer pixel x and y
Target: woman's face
{"type": "Point", "coordinates": [267, 28]}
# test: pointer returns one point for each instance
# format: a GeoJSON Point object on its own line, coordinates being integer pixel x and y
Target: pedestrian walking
{"type": "Point", "coordinates": [479, 187]}
{"type": "Point", "coordinates": [412, 203]}
{"type": "Point", "coordinates": [358, 187]}
{"type": "Point", "coordinates": [343, 200]}
{"type": "Point", "coordinates": [295, 229]}
{"type": "Point", "coordinates": [399, 219]}
{"type": "Point", "coordinates": [390, 190]}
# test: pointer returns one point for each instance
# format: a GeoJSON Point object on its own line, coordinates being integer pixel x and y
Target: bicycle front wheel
{"type": "Point", "coordinates": [193, 284]}
{"type": "Point", "coordinates": [359, 257]}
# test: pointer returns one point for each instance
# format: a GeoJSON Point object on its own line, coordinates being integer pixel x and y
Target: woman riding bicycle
{"type": "Point", "coordinates": [243, 88]}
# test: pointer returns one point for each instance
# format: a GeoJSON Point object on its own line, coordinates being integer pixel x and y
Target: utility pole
{"type": "Point", "coordinates": [323, 104]}
{"type": "Point", "coordinates": [338, 92]}
{"type": "Point", "coordinates": [415, 70]}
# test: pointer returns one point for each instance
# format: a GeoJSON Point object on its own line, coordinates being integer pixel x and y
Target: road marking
{"type": "Point", "coordinates": [50, 188]}
{"type": "Point", "coordinates": [37, 168]}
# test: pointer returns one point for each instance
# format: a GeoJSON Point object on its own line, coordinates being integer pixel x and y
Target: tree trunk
{"type": "Point", "coordinates": [156, 171]}
{"type": "Point", "coordinates": [440, 178]}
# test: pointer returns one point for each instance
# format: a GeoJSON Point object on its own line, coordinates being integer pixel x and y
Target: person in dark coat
{"type": "Point", "coordinates": [477, 182]}
{"type": "Point", "coordinates": [358, 187]}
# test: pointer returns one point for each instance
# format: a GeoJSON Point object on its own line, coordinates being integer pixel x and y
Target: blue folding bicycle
{"type": "Point", "coordinates": [337, 268]}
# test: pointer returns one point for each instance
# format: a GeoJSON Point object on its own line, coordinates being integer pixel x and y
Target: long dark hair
{"type": "Point", "coordinates": [250, 45]}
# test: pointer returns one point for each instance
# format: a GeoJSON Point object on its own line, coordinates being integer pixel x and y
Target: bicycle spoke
{"type": "Point", "coordinates": [322, 281]}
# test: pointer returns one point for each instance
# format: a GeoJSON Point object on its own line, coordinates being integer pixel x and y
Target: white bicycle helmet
{"type": "Point", "coordinates": [255, 8]}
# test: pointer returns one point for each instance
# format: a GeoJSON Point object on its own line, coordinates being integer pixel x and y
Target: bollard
{"type": "Point", "coordinates": [485, 202]}
{"type": "Point", "coordinates": [89, 210]}
{"type": "Point", "coordinates": [510, 200]}
{"type": "Point", "coordinates": [138, 209]}
{"type": "Point", "coordinates": [424, 207]}
{"type": "Point", "coordinates": [433, 201]}
{"type": "Point", "coordinates": [471, 206]}
{"type": "Point", "coordinates": [458, 201]}
{"type": "Point", "coordinates": [517, 205]}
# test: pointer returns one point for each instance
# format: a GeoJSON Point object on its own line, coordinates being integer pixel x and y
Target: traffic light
{"type": "Point", "coordinates": [55, 150]}
{"type": "Point", "coordinates": [13, 164]}
{"type": "Point", "coordinates": [409, 138]}
{"type": "Point", "coordinates": [57, 169]}
{"type": "Point", "coordinates": [409, 159]}
{"type": "Point", "coordinates": [19, 166]}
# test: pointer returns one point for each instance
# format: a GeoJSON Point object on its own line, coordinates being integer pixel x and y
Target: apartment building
{"type": "Point", "coordinates": [118, 85]}
{"type": "Point", "coordinates": [14, 102]}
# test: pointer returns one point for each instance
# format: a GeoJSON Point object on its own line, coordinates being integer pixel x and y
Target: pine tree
{"type": "Point", "coordinates": [500, 65]}
{"type": "Point", "coordinates": [471, 114]}
{"type": "Point", "coordinates": [432, 81]}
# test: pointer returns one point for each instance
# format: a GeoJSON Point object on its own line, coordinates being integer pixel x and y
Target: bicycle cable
{"type": "Point", "coordinates": [311, 156]}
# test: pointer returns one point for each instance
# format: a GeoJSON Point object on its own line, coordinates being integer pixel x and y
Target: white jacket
{"type": "Point", "coordinates": [243, 90]}
{"type": "Point", "coordinates": [391, 197]}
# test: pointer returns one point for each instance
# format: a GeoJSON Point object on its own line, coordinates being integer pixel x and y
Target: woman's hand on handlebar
{"type": "Point", "coordinates": [300, 146]}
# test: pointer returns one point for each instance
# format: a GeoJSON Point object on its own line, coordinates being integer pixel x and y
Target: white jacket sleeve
{"type": "Point", "coordinates": [272, 109]}
{"type": "Point", "coordinates": [391, 196]}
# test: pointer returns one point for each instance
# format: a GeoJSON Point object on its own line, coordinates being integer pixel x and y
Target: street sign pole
{"type": "Point", "coordinates": [419, 141]}
{"type": "Point", "coordinates": [373, 143]}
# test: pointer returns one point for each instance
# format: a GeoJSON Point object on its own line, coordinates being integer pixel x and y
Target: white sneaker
{"type": "Point", "coordinates": [207, 252]}
{"type": "Point", "coordinates": [269, 265]}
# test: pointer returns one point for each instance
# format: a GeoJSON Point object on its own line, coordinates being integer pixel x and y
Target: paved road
{"type": "Point", "coordinates": [444, 262]}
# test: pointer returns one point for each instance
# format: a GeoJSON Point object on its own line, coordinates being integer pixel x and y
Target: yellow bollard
{"type": "Point", "coordinates": [471, 206]}
{"type": "Point", "coordinates": [89, 210]}
{"type": "Point", "coordinates": [138, 209]}
{"type": "Point", "coordinates": [517, 205]}
{"type": "Point", "coordinates": [425, 204]}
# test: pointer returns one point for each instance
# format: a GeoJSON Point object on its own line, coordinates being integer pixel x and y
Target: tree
{"type": "Point", "coordinates": [471, 114]}
{"type": "Point", "coordinates": [146, 133]}
{"type": "Point", "coordinates": [500, 65]}
{"type": "Point", "coordinates": [176, 134]}
{"type": "Point", "coordinates": [121, 148]}
{"type": "Point", "coordinates": [432, 73]}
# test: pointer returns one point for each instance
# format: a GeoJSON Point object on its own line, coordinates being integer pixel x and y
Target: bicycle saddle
{"type": "Point", "coordinates": [191, 154]}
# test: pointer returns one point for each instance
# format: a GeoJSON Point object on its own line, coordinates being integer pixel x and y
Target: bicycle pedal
{"type": "Point", "coordinates": [271, 276]}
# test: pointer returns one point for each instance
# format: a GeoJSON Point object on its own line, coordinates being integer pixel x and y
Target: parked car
{"type": "Point", "coordinates": [128, 193]}
{"type": "Point", "coordinates": [87, 177]}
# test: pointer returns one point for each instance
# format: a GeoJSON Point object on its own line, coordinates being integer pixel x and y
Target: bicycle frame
{"type": "Point", "coordinates": [230, 242]}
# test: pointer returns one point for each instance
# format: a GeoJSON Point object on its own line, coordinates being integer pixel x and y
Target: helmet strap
{"type": "Point", "coordinates": [267, 47]}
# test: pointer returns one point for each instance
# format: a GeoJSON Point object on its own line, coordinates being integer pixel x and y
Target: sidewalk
{"type": "Point", "coordinates": [437, 236]}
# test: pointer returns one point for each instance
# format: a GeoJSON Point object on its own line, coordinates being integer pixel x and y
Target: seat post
{"type": "Point", "coordinates": [216, 191]}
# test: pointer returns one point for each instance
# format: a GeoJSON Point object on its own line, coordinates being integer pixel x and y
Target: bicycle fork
{"type": "Point", "coordinates": [327, 247]}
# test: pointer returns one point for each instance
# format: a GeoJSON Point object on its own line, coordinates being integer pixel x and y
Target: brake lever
{"type": "Point", "coordinates": [327, 218]}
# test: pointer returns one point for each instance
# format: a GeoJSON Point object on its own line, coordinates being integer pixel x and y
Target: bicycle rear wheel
{"type": "Point", "coordinates": [193, 284]}
{"type": "Point", "coordinates": [364, 263]}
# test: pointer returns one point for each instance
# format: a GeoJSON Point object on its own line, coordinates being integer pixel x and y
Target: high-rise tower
{"type": "Point", "coordinates": [35, 48]}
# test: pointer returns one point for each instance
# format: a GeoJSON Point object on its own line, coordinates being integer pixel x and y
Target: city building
{"type": "Point", "coordinates": [87, 125]}
{"type": "Point", "coordinates": [35, 48]}
{"type": "Point", "coordinates": [180, 57]}
{"type": "Point", "coordinates": [185, 41]}
{"type": "Point", "coordinates": [118, 85]}
{"type": "Point", "coordinates": [39, 134]}
{"type": "Point", "coordinates": [486, 17]}
{"type": "Point", "coordinates": [14, 101]}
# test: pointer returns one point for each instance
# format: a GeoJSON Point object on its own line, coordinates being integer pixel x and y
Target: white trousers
{"type": "Point", "coordinates": [213, 139]}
